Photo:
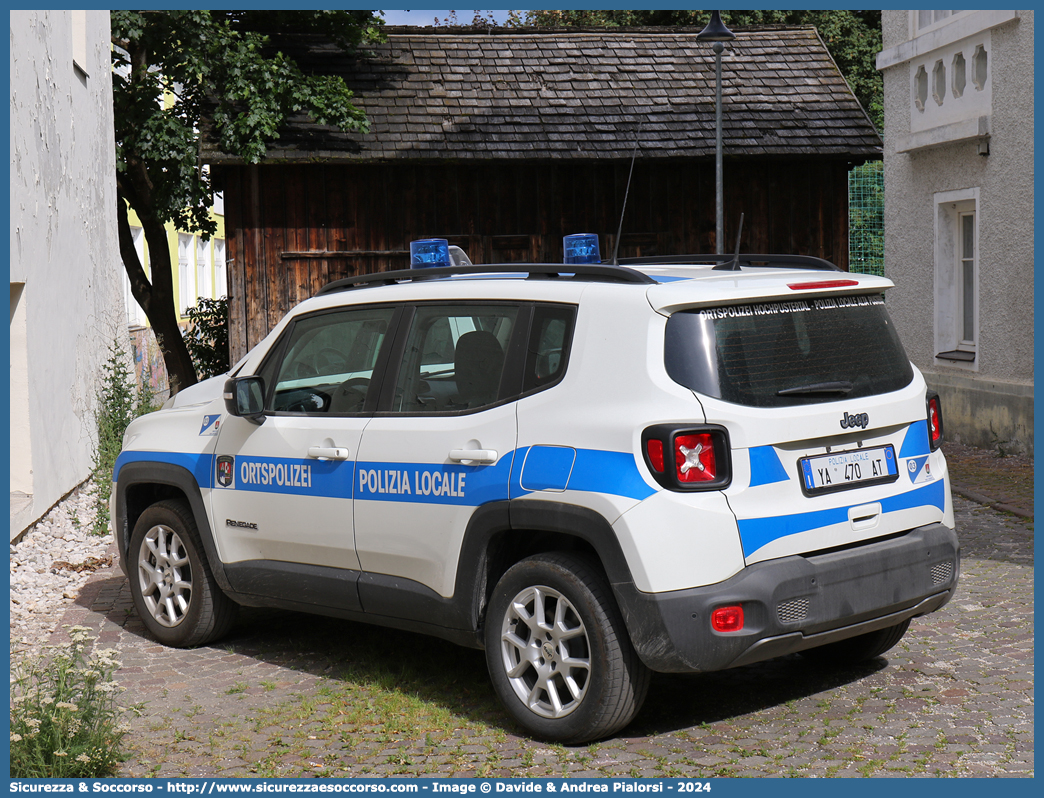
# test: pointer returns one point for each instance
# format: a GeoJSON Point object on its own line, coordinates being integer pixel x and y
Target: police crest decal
{"type": "Point", "coordinates": [226, 469]}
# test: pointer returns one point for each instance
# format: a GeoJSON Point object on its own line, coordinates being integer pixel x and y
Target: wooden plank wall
{"type": "Point", "coordinates": [293, 228]}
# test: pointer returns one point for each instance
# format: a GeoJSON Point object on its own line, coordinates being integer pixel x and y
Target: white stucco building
{"type": "Point", "coordinates": [958, 161]}
{"type": "Point", "coordinates": [66, 296]}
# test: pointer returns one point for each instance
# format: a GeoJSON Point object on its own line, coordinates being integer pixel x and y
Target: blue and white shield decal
{"type": "Point", "coordinates": [210, 425]}
{"type": "Point", "coordinates": [920, 470]}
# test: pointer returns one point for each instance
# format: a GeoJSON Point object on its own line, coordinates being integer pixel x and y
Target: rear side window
{"type": "Point", "coordinates": [548, 350]}
{"type": "Point", "coordinates": [781, 354]}
{"type": "Point", "coordinates": [454, 359]}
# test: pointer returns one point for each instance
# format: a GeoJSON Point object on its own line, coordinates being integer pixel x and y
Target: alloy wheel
{"type": "Point", "coordinates": [546, 651]}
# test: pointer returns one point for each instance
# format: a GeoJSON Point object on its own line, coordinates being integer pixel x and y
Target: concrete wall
{"type": "Point", "coordinates": [66, 300]}
{"type": "Point", "coordinates": [988, 402]}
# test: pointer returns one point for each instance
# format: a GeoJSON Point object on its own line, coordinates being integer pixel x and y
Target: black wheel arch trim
{"type": "Point", "coordinates": [174, 476]}
{"type": "Point", "coordinates": [519, 516]}
{"type": "Point", "coordinates": [581, 522]}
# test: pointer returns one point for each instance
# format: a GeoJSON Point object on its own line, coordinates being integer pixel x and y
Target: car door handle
{"type": "Point", "coordinates": [328, 453]}
{"type": "Point", "coordinates": [473, 456]}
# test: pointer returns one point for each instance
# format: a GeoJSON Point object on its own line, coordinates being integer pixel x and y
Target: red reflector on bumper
{"type": "Point", "coordinates": [727, 619]}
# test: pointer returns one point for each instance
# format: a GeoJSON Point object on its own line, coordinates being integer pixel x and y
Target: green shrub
{"type": "Point", "coordinates": [64, 716]}
{"type": "Point", "coordinates": [119, 403]}
{"type": "Point", "coordinates": [207, 337]}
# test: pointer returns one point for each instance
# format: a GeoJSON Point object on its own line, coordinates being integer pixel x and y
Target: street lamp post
{"type": "Point", "coordinates": [717, 33]}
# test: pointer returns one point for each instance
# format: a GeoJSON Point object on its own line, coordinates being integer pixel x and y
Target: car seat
{"type": "Point", "coordinates": [478, 361]}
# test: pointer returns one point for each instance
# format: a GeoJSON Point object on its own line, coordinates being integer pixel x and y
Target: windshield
{"type": "Point", "coordinates": [780, 354]}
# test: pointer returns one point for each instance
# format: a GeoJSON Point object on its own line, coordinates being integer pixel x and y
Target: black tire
{"type": "Point", "coordinates": [543, 681]}
{"type": "Point", "coordinates": [171, 581]}
{"type": "Point", "coordinates": [858, 649]}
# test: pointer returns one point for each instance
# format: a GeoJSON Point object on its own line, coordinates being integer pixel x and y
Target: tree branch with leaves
{"type": "Point", "coordinates": [232, 73]}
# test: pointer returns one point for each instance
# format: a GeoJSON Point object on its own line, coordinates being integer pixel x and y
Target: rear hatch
{"type": "Point", "coordinates": [826, 417]}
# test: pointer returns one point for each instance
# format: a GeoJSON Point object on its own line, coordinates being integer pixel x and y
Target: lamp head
{"type": "Point", "coordinates": [715, 30]}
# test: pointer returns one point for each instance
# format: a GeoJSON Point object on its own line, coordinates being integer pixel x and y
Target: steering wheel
{"type": "Point", "coordinates": [308, 403]}
{"type": "Point", "coordinates": [350, 395]}
{"type": "Point", "coordinates": [303, 370]}
{"type": "Point", "coordinates": [330, 361]}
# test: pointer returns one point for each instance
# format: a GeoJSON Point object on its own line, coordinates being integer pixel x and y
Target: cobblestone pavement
{"type": "Point", "coordinates": [294, 695]}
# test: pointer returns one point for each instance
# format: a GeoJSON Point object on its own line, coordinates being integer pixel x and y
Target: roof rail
{"type": "Point", "coordinates": [596, 273]}
{"type": "Point", "coordinates": [773, 261]}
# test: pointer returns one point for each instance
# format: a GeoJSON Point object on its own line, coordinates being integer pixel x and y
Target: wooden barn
{"type": "Point", "coordinates": [504, 141]}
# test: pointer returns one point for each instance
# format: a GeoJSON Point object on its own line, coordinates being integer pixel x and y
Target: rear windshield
{"type": "Point", "coordinates": [780, 354]}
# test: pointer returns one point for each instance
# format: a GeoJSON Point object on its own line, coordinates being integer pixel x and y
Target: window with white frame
{"type": "Point", "coordinates": [929, 19]}
{"type": "Point", "coordinates": [204, 277]}
{"type": "Point", "coordinates": [967, 278]}
{"type": "Point", "coordinates": [186, 278]}
{"type": "Point", "coordinates": [135, 315]}
{"type": "Point", "coordinates": [220, 275]}
{"type": "Point", "coordinates": [957, 278]}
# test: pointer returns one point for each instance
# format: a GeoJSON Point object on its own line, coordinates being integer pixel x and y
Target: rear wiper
{"type": "Point", "coordinates": [841, 386]}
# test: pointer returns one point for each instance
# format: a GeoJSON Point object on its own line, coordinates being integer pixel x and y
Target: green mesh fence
{"type": "Point", "coordinates": [866, 218]}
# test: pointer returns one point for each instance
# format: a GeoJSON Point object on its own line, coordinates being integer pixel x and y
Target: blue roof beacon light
{"type": "Point", "coordinates": [429, 253]}
{"type": "Point", "coordinates": [581, 248]}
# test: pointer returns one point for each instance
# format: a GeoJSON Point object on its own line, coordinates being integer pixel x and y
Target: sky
{"type": "Point", "coordinates": [427, 16]}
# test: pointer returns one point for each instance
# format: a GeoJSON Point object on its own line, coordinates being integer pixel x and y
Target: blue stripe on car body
{"type": "Point", "coordinates": [594, 471]}
{"type": "Point", "coordinates": [433, 483]}
{"type": "Point", "coordinates": [292, 476]}
{"type": "Point", "coordinates": [765, 466]}
{"type": "Point", "coordinates": [198, 464]}
{"type": "Point", "coordinates": [916, 441]}
{"type": "Point", "coordinates": [758, 532]}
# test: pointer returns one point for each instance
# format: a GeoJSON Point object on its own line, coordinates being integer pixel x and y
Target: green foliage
{"type": "Point", "coordinates": [119, 403]}
{"type": "Point", "coordinates": [866, 218]}
{"type": "Point", "coordinates": [852, 37]}
{"type": "Point", "coordinates": [207, 338]}
{"type": "Point", "coordinates": [480, 20]}
{"type": "Point", "coordinates": [230, 73]}
{"type": "Point", "coordinates": [64, 717]}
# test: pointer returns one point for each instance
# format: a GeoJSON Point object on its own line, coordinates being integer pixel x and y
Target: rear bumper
{"type": "Point", "coordinates": [795, 603]}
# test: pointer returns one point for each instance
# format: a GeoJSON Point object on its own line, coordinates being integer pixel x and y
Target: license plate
{"type": "Point", "coordinates": [852, 469]}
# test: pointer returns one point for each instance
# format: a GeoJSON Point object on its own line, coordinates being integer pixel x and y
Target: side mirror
{"type": "Point", "coordinates": [244, 397]}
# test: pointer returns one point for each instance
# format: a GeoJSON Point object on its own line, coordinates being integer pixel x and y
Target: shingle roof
{"type": "Point", "coordinates": [580, 94]}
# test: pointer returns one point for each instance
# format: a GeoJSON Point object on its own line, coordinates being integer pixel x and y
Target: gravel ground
{"type": "Point", "coordinates": [49, 566]}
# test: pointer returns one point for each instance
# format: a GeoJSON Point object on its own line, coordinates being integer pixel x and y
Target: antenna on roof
{"type": "Point", "coordinates": [734, 265]}
{"type": "Point", "coordinates": [619, 230]}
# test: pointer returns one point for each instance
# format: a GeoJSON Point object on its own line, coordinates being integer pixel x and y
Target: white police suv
{"type": "Point", "coordinates": [591, 471]}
